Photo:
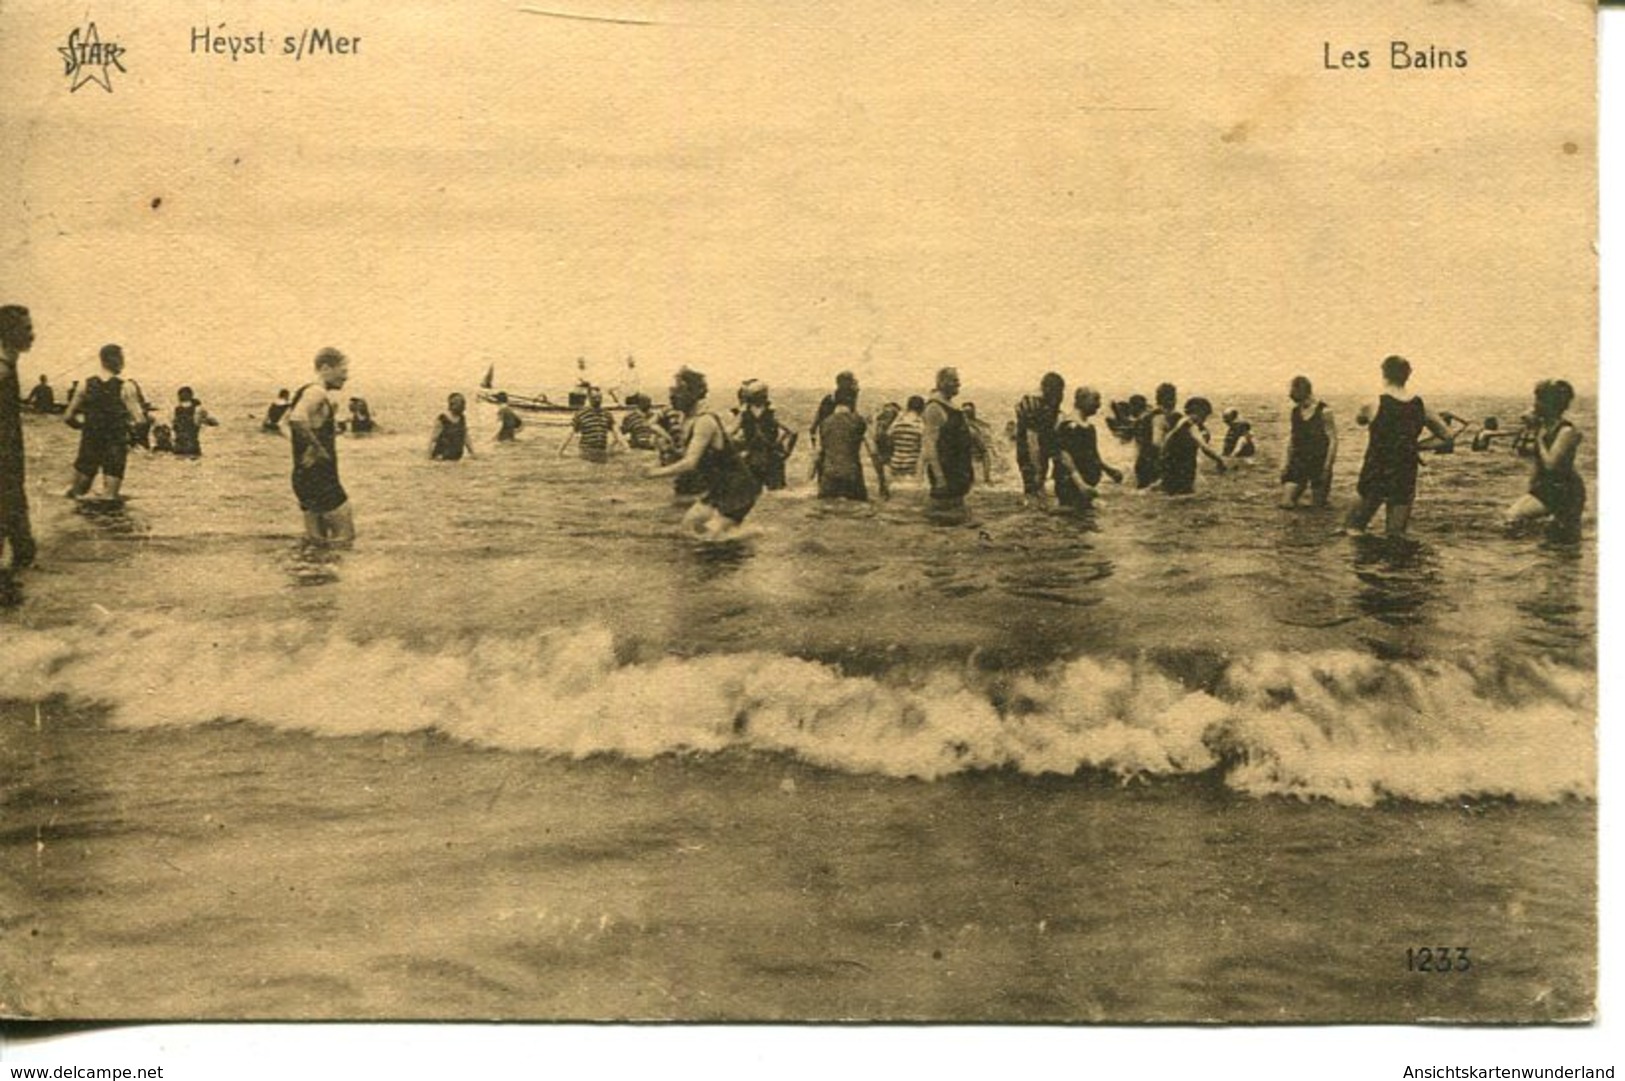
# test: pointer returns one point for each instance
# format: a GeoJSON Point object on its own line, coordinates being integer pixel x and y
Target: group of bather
{"type": "Point", "coordinates": [114, 416]}
{"type": "Point", "coordinates": [728, 458]}
{"type": "Point", "coordinates": [725, 459]}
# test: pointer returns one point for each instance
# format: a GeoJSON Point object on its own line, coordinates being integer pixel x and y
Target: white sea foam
{"type": "Point", "coordinates": [1336, 725]}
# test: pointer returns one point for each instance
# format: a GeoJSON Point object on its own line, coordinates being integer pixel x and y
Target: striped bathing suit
{"type": "Point", "coordinates": [592, 425]}
{"type": "Point", "coordinates": [907, 433]}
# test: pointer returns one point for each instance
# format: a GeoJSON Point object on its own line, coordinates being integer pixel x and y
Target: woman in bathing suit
{"type": "Point", "coordinates": [1555, 489]}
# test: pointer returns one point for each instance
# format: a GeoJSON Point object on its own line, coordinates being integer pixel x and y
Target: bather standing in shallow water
{"type": "Point", "coordinates": [711, 457]}
{"type": "Point", "coordinates": [1078, 466]}
{"type": "Point", "coordinates": [1388, 476]}
{"type": "Point", "coordinates": [312, 428]}
{"type": "Point", "coordinates": [1556, 489]}
{"type": "Point", "coordinates": [1311, 447]}
{"type": "Point", "coordinates": [843, 440]}
{"type": "Point", "coordinates": [947, 452]}
{"type": "Point", "coordinates": [451, 438]}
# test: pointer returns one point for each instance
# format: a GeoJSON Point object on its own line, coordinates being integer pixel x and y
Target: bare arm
{"type": "Point", "coordinates": [1202, 444]}
{"type": "Point", "coordinates": [76, 406]}
{"type": "Point", "coordinates": [931, 427]}
{"type": "Point", "coordinates": [1063, 458]}
{"type": "Point", "coordinates": [879, 468]}
{"type": "Point", "coordinates": [1331, 439]}
{"type": "Point", "coordinates": [1030, 439]}
{"type": "Point", "coordinates": [1437, 426]}
{"type": "Point", "coordinates": [135, 405]}
{"type": "Point", "coordinates": [1108, 470]}
{"type": "Point", "coordinates": [305, 418]}
{"type": "Point", "coordinates": [704, 432]}
{"type": "Point", "coordinates": [1560, 455]}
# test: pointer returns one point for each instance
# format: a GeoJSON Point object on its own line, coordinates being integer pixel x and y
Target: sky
{"type": "Point", "coordinates": [1123, 192]}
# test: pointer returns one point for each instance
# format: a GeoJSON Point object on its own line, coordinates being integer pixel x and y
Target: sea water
{"type": "Point", "coordinates": [528, 751]}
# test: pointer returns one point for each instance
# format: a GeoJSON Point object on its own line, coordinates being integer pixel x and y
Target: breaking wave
{"type": "Point", "coordinates": [1335, 725]}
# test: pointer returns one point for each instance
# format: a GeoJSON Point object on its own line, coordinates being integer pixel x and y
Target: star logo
{"type": "Point", "coordinates": [86, 58]}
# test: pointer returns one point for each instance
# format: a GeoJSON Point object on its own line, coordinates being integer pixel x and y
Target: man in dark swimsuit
{"type": "Point", "coordinates": [842, 442]}
{"type": "Point", "coordinates": [946, 454]}
{"type": "Point", "coordinates": [16, 338]}
{"type": "Point", "coordinates": [104, 410]}
{"type": "Point", "coordinates": [827, 405]}
{"type": "Point", "coordinates": [311, 424]}
{"type": "Point", "coordinates": [42, 399]}
{"type": "Point", "coordinates": [1388, 476]}
{"type": "Point", "coordinates": [1036, 417]}
{"type": "Point", "coordinates": [1150, 431]}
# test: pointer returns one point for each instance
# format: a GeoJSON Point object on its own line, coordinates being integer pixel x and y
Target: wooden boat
{"type": "Point", "coordinates": [549, 409]}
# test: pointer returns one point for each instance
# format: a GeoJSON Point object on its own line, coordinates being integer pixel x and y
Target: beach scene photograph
{"type": "Point", "coordinates": [1059, 513]}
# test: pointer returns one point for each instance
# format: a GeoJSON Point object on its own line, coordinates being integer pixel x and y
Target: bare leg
{"type": "Point", "coordinates": [1291, 492]}
{"type": "Point", "coordinates": [723, 527]}
{"type": "Point", "coordinates": [1399, 518]}
{"type": "Point", "coordinates": [697, 519]}
{"type": "Point", "coordinates": [1363, 513]}
{"type": "Point", "coordinates": [338, 526]}
{"type": "Point", "coordinates": [81, 484]}
{"type": "Point", "coordinates": [16, 535]}
{"type": "Point", "coordinates": [1525, 509]}
{"type": "Point", "coordinates": [313, 528]}
{"type": "Point", "coordinates": [111, 485]}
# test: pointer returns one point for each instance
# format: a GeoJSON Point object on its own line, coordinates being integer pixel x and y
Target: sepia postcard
{"type": "Point", "coordinates": [712, 510]}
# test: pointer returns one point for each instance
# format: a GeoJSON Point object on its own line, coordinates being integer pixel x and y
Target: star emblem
{"type": "Point", "coordinates": [88, 59]}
